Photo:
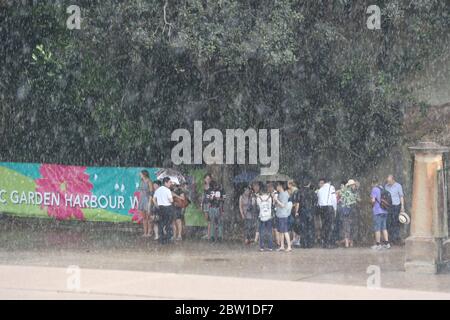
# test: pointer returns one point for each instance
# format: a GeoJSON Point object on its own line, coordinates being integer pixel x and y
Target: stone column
{"type": "Point", "coordinates": [425, 244]}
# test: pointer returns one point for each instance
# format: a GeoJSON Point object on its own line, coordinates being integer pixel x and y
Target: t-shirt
{"type": "Point", "coordinates": [396, 192]}
{"type": "Point", "coordinates": [377, 209]}
{"type": "Point", "coordinates": [215, 197]}
{"type": "Point", "coordinates": [283, 197]}
{"type": "Point", "coordinates": [205, 202]}
{"type": "Point", "coordinates": [163, 196]}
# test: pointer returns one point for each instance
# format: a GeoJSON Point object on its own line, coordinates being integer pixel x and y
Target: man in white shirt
{"type": "Point", "coordinates": [163, 195]}
{"type": "Point", "coordinates": [163, 199]}
{"type": "Point", "coordinates": [327, 202]}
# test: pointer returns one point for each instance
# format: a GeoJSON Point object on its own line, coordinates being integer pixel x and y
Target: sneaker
{"type": "Point", "coordinates": [178, 239]}
{"type": "Point", "coordinates": [261, 249]}
{"type": "Point", "coordinates": [376, 247]}
{"type": "Point", "coordinates": [387, 246]}
{"type": "Point", "coordinates": [205, 237]}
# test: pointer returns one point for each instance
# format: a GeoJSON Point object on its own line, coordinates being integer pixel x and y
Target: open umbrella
{"type": "Point", "coordinates": [175, 176]}
{"type": "Point", "coordinates": [273, 177]}
{"type": "Point", "coordinates": [245, 177]}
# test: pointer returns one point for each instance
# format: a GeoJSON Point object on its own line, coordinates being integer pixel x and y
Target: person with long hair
{"type": "Point", "coordinates": [205, 203]}
{"type": "Point", "coordinates": [178, 194]}
{"type": "Point", "coordinates": [245, 208]}
{"type": "Point", "coordinates": [145, 194]}
{"type": "Point", "coordinates": [154, 211]}
{"type": "Point", "coordinates": [293, 220]}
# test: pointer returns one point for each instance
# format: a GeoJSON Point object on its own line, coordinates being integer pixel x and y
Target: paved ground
{"type": "Point", "coordinates": [20, 282]}
{"type": "Point", "coordinates": [123, 255]}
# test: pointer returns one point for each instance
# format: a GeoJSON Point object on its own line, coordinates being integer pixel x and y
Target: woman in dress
{"type": "Point", "coordinates": [246, 210]}
{"type": "Point", "coordinates": [145, 194]}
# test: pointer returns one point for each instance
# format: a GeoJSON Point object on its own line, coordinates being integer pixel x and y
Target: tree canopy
{"type": "Point", "coordinates": [112, 92]}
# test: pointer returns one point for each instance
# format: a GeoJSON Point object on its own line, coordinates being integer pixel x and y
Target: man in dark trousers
{"type": "Point", "coordinates": [164, 200]}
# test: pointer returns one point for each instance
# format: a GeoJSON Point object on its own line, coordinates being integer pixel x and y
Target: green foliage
{"type": "Point", "coordinates": [112, 92]}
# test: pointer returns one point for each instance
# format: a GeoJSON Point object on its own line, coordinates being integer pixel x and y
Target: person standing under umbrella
{"type": "Point", "coordinates": [164, 200]}
{"type": "Point", "coordinates": [256, 188]}
{"type": "Point", "coordinates": [246, 210]}
{"type": "Point", "coordinates": [179, 204]}
{"type": "Point", "coordinates": [154, 211]}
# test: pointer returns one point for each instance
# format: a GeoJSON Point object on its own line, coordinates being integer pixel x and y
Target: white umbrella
{"type": "Point", "coordinates": [175, 176]}
{"type": "Point", "coordinates": [272, 178]}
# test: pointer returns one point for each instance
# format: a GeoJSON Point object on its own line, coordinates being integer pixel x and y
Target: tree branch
{"type": "Point", "coordinates": [166, 23]}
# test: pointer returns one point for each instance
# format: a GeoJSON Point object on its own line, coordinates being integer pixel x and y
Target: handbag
{"type": "Point", "coordinates": [156, 213]}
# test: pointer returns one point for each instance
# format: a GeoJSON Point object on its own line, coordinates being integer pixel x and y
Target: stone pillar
{"type": "Point", "coordinates": [424, 246]}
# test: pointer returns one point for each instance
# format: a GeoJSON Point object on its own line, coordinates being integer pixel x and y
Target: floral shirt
{"type": "Point", "coordinates": [348, 197]}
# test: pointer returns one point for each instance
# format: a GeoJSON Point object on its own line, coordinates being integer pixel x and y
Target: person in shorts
{"type": "Point", "coordinates": [379, 217]}
{"type": "Point", "coordinates": [284, 207]}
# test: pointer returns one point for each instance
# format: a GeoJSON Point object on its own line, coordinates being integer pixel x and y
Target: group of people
{"type": "Point", "coordinates": [161, 205]}
{"type": "Point", "coordinates": [276, 213]}
{"type": "Point", "coordinates": [304, 217]}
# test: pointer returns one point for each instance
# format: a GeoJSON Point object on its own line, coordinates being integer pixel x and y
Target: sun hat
{"type": "Point", "coordinates": [350, 182]}
{"type": "Point", "coordinates": [404, 218]}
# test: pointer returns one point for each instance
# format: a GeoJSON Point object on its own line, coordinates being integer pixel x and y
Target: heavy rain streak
{"type": "Point", "coordinates": [235, 142]}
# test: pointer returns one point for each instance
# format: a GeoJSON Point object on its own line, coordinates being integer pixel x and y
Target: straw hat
{"type": "Point", "coordinates": [350, 182]}
{"type": "Point", "coordinates": [404, 218]}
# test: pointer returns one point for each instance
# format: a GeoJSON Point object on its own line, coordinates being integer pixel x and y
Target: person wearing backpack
{"type": "Point", "coordinates": [264, 203]}
{"type": "Point", "coordinates": [379, 201]}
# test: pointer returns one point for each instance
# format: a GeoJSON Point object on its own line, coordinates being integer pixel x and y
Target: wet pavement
{"type": "Point", "coordinates": [105, 249]}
